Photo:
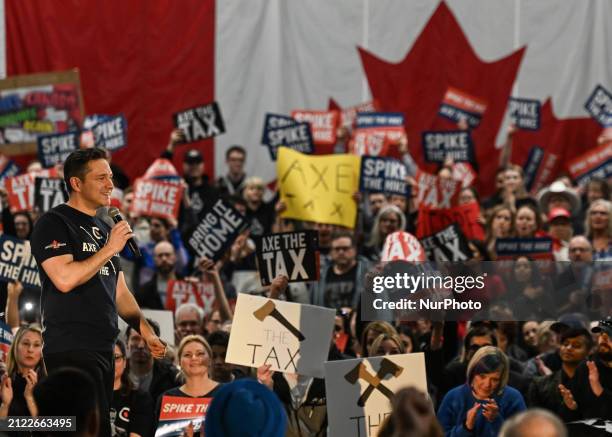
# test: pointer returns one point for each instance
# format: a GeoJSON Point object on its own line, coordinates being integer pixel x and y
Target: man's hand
{"type": "Point", "coordinates": [278, 286]}
{"type": "Point", "coordinates": [119, 236]}
{"type": "Point", "coordinates": [14, 289]}
{"type": "Point", "coordinates": [177, 136]}
{"type": "Point", "coordinates": [264, 375]}
{"type": "Point", "coordinates": [156, 346]}
{"type": "Point", "coordinates": [594, 381]}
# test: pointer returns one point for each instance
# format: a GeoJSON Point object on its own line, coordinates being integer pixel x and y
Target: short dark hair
{"type": "Point", "coordinates": [76, 164]}
{"type": "Point", "coordinates": [577, 332]}
{"type": "Point", "coordinates": [153, 324]}
{"type": "Point", "coordinates": [345, 234]}
{"type": "Point", "coordinates": [218, 338]}
{"type": "Point", "coordinates": [235, 148]}
{"type": "Point", "coordinates": [67, 391]}
{"type": "Point", "coordinates": [236, 200]}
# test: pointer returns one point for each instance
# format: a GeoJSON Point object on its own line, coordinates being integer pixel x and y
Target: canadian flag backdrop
{"type": "Point", "coordinates": [149, 59]}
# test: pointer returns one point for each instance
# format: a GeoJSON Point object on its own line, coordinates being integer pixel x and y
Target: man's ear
{"type": "Point", "coordinates": [75, 183]}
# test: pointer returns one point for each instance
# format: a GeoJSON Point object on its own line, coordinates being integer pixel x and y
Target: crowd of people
{"type": "Point", "coordinates": [513, 378]}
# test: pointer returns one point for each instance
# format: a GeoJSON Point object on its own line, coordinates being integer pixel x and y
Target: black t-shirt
{"type": "Point", "coordinates": [340, 289]}
{"type": "Point", "coordinates": [132, 412]}
{"type": "Point", "coordinates": [86, 317]}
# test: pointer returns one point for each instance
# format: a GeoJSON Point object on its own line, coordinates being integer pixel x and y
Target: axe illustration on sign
{"type": "Point", "coordinates": [387, 367]}
{"type": "Point", "coordinates": [269, 309]}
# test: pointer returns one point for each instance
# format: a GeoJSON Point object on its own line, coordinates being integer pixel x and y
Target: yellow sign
{"type": "Point", "coordinates": [318, 188]}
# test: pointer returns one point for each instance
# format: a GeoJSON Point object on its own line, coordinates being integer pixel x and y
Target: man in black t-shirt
{"type": "Point", "coordinates": [83, 287]}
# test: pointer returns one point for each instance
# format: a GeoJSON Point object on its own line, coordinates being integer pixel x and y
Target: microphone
{"type": "Point", "coordinates": [115, 215]}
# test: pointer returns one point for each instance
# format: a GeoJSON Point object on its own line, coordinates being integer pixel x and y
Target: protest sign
{"type": "Point", "coordinates": [20, 190]}
{"type": "Point", "coordinates": [291, 337]}
{"type": "Point", "coordinates": [35, 104]}
{"type": "Point", "coordinates": [348, 115]}
{"type": "Point", "coordinates": [48, 193]}
{"type": "Point", "coordinates": [200, 122]}
{"type": "Point", "coordinates": [402, 246]}
{"type": "Point", "coordinates": [111, 134]}
{"type": "Point", "coordinates": [449, 244]}
{"type": "Point", "coordinates": [458, 105]}
{"type": "Point", "coordinates": [54, 149]}
{"type": "Point", "coordinates": [271, 122]}
{"type": "Point", "coordinates": [296, 136]}
{"type": "Point", "coordinates": [177, 412]}
{"type": "Point", "coordinates": [293, 254]}
{"type": "Point", "coordinates": [17, 262]}
{"type": "Point", "coordinates": [525, 113]}
{"type": "Point", "coordinates": [92, 119]}
{"type": "Point", "coordinates": [383, 175]}
{"type": "Point", "coordinates": [596, 162]}
{"type": "Point", "coordinates": [318, 188]}
{"type": "Point", "coordinates": [437, 146]}
{"type": "Point", "coordinates": [532, 165]}
{"type": "Point", "coordinates": [323, 124]}
{"type": "Point", "coordinates": [431, 220]}
{"type": "Point", "coordinates": [375, 132]}
{"type": "Point", "coordinates": [6, 338]}
{"type": "Point", "coordinates": [463, 172]}
{"type": "Point", "coordinates": [201, 293]}
{"type": "Point", "coordinates": [7, 168]}
{"type": "Point", "coordinates": [435, 192]}
{"type": "Point", "coordinates": [163, 170]}
{"type": "Point", "coordinates": [156, 198]}
{"type": "Point", "coordinates": [359, 391]}
{"type": "Point", "coordinates": [599, 105]}
{"type": "Point", "coordinates": [535, 248]}
{"type": "Point", "coordinates": [219, 227]}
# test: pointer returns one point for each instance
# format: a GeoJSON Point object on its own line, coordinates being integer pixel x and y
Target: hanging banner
{"type": "Point", "coordinates": [293, 254]}
{"type": "Point", "coordinates": [525, 113]}
{"type": "Point", "coordinates": [290, 337]}
{"type": "Point", "coordinates": [200, 122]}
{"type": "Point", "coordinates": [318, 188]}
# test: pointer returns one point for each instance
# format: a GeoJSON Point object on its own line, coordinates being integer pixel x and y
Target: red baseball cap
{"type": "Point", "coordinates": [558, 212]}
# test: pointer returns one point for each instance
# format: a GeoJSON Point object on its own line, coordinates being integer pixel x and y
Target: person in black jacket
{"type": "Point", "coordinates": [153, 294]}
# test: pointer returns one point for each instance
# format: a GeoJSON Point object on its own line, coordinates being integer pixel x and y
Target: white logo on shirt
{"type": "Point", "coordinates": [89, 247]}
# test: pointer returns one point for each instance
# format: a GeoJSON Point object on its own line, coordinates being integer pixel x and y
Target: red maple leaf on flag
{"type": "Point", "coordinates": [442, 57]}
{"type": "Point", "coordinates": [560, 139]}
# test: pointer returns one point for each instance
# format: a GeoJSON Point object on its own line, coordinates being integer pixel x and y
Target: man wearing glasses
{"type": "Point", "coordinates": [233, 183]}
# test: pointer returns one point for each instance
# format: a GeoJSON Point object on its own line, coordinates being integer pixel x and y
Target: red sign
{"type": "Point", "coordinates": [349, 115]}
{"type": "Point", "coordinates": [323, 124]}
{"type": "Point", "coordinates": [20, 191]}
{"type": "Point", "coordinates": [462, 100]}
{"type": "Point", "coordinates": [156, 198]}
{"type": "Point", "coordinates": [402, 246]}
{"type": "Point", "coordinates": [432, 220]}
{"type": "Point", "coordinates": [200, 293]}
{"type": "Point", "coordinates": [435, 192]}
{"type": "Point", "coordinates": [588, 162]}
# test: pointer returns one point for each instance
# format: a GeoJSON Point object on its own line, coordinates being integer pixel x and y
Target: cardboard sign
{"type": "Point", "coordinates": [201, 293]}
{"type": "Point", "coordinates": [596, 162]}
{"type": "Point", "coordinates": [438, 145]}
{"type": "Point", "coordinates": [20, 191]}
{"type": "Point", "coordinates": [200, 122]}
{"type": "Point", "coordinates": [293, 254]}
{"type": "Point", "coordinates": [383, 175]}
{"type": "Point", "coordinates": [525, 113]}
{"type": "Point", "coordinates": [532, 165]}
{"type": "Point", "coordinates": [435, 192]}
{"type": "Point", "coordinates": [38, 104]}
{"type": "Point", "coordinates": [217, 230]}
{"type": "Point", "coordinates": [7, 168]}
{"type": "Point", "coordinates": [458, 105]}
{"type": "Point", "coordinates": [291, 337]}
{"type": "Point", "coordinates": [433, 220]}
{"type": "Point", "coordinates": [599, 105]}
{"type": "Point", "coordinates": [54, 149]}
{"type": "Point", "coordinates": [296, 136]}
{"type": "Point", "coordinates": [535, 248]}
{"type": "Point", "coordinates": [111, 134]}
{"type": "Point", "coordinates": [449, 244]}
{"type": "Point", "coordinates": [348, 116]}
{"type": "Point", "coordinates": [375, 132]}
{"type": "Point", "coordinates": [402, 246]}
{"type": "Point", "coordinates": [323, 124]}
{"type": "Point", "coordinates": [17, 262]}
{"type": "Point", "coordinates": [48, 193]}
{"type": "Point", "coordinates": [156, 198]}
{"type": "Point", "coordinates": [359, 391]}
{"type": "Point", "coordinates": [177, 412]}
{"type": "Point", "coordinates": [6, 338]}
{"type": "Point", "coordinates": [318, 188]}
